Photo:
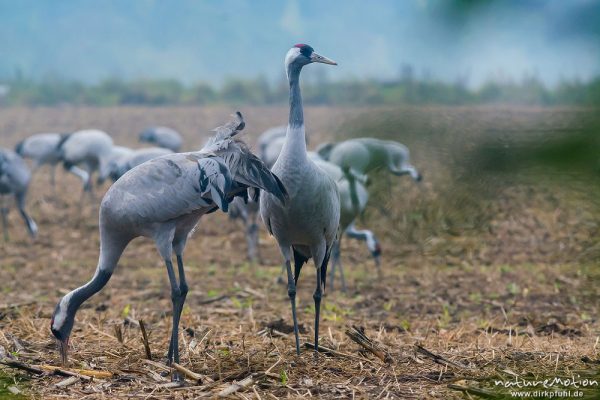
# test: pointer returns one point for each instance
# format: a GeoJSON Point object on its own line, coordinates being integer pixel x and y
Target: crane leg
{"type": "Point", "coordinates": [332, 272]}
{"type": "Point", "coordinates": [178, 294]}
{"type": "Point", "coordinates": [252, 240]}
{"type": "Point", "coordinates": [335, 252]}
{"type": "Point", "coordinates": [378, 266]}
{"type": "Point", "coordinates": [53, 179]}
{"type": "Point", "coordinates": [4, 212]}
{"type": "Point", "coordinates": [317, 295]}
{"type": "Point", "coordinates": [292, 296]}
{"type": "Point", "coordinates": [337, 255]}
{"type": "Point", "coordinates": [31, 225]}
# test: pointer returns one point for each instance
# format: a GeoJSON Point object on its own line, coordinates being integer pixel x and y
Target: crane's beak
{"type": "Point", "coordinates": [314, 57]}
{"type": "Point", "coordinates": [63, 346]}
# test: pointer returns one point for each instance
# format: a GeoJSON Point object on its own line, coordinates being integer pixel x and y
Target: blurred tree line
{"type": "Point", "coordinates": [318, 91]}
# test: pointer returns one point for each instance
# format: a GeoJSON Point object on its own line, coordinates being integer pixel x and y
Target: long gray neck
{"type": "Point", "coordinates": [354, 233]}
{"type": "Point", "coordinates": [294, 147]}
{"type": "Point", "coordinates": [110, 252]}
{"type": "Point", "coordinates": [296, 118]}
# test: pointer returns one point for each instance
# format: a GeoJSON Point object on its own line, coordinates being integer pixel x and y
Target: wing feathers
{"type": "Point", "coordinates": [227, 161]}
{"type": "Point", "coordinates": [215, 179]}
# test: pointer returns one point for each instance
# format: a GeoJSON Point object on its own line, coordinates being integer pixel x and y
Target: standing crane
{"type": "Point", "coordinates": [42, 148]}
{"type": "Point", "coordinates": [306, 226]}
{"type": "Point", "coordinates": [14, 179]}
{"type": "Point", "coordinates": [348, 214]}
{"type": "Point", "coordinates": [164, 199]}
{"type": "Point", "coordinates": [162, 136]}
{"type": "Point", "coordinates": [269, 144]}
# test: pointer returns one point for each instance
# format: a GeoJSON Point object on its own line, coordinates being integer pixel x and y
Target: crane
{"type": "Point", "coordinates": [42, 148]}
{"type": "Point", "coordinates": [14, 179]}
{"type": "Point", "coordinates": [126, 162]}
{"type": "Point", "coordinates": [306, 226]}
{"type": "Point", "coordinates": [348, 214]}
{"type": "Point", "coordinates": [90, 148]}
{"type": "Point", "coordinates": [364, 155]}
{"type": "Point", "coordinates": [117, 153]}
{"type": "Point", "coordinates": [162, 136]}
{"type": "Point", "coordinates": [164, 199]}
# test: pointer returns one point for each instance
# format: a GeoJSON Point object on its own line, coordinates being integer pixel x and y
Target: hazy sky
{"type": "Point", "coordinates": [193, 40]}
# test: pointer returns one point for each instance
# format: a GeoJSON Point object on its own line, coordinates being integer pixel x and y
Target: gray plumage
{"type": "Point", "coordinates": [42, 149]}
{"type": "Point", "coordinates": [270, 144]}
{"type": "Point", "coordinates": [122, 164]}
{"type": "Point", "coordinates": [163, 199]}
{"type": "Point", "coordinates": [109, 168]}
{"type": "Point", "coordinates": [268, 136]}
{"type": "Point", "coordinates": [351, 191]}
{"type": "Point", "coordinates": [84, 152]}
{"type": "Point", "coordinates": [14, 180]}
{"type": "Point", "coordinates": [162, 136]}
{"type": "Point", "coordinates": [306, 226]}
{"type": "Point", "coordinates": [364, 155]}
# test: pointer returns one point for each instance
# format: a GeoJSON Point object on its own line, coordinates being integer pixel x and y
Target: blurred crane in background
{"type": "Point", "coordinates": [162, 136]}
{"type": "Point", "coordinates": [348, 189]}
{"type": "Point", "coordinates": [14, 179]}
{"type": "Point", "coordinates": [43, 149]}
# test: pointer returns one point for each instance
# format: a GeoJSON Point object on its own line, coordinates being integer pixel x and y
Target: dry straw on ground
{"type": "Point", "coordinates": [428, 330]}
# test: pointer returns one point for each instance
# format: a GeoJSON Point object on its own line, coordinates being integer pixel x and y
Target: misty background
{"type": "Point", "coordinates": [185, 51]}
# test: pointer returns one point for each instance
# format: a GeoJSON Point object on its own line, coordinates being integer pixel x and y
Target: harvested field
{"type": "Point", "coordinates": [490, 272]}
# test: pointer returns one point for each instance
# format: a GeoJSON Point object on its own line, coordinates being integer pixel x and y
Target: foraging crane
{"type": "Point", "coordinates": [123, 164]}
{"type": "Point", "coordinates": [42, 148]}
{"type": "Point", "coordinates": [364, 155]}
{"type": "Point", "coordinates": [117, 153]}
{"type": "Point", "coordinates": [307, 225]}
{"type": "Point", "coordinates": [14, 179]}
{"type": "Point", "coordinates": [91, 149]}
{"type": "Point", "coordinates": [348, 214]}
{"type": "Point", "coordinates": [164, 199]}
{"type": "Point", "coordinates": [162, 137]}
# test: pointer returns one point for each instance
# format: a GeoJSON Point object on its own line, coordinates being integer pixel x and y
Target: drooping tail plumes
{"type": "Point", "coordinates": [230, 162]}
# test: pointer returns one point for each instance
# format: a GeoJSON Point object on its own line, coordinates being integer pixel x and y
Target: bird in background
{"type": "Point", "coordinates": [42, 149]}
{"type": "Point", "coordinates": [348, 216]}
{"type": "Point", "coordinates": [307, 224]}
{"type": "Point", "coordinates": [84, 152]}
{"type": "Point", "coordinates": [120, 165]}
{"type": "Point", "coordinates": [162, 136]}
{"type": "Point", "coordinates": [365, 155]}
{"type": "Point", "coordinates": [164, 199]}
{"type": "Point", "coordinates": [14, 179]}
{"type": "Point", "coordinates": [116, 154]}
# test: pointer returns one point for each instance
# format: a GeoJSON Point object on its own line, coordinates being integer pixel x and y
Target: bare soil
{"type": "Point", "coordinates": [519, 299]}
